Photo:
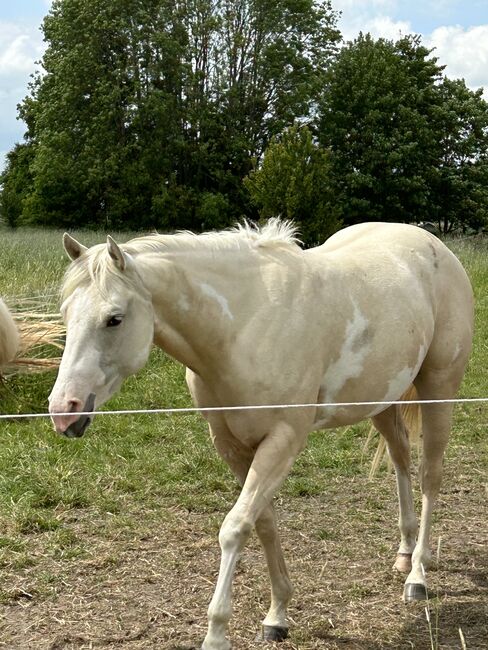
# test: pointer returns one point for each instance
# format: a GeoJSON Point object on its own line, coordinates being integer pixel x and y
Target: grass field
{"type": "Point", "coordinates": [111, 540]}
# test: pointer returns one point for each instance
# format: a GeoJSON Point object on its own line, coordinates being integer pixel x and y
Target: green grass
{"type": "Point", "coordinates": [474, 256]}
{"type": "Point", "coordinates": [128, 464]}
{"type": "Point", "coordinates": [33, 261]}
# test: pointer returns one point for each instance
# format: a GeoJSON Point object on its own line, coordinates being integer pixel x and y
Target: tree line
{"type": "Point", "coordinates": [192, 114]}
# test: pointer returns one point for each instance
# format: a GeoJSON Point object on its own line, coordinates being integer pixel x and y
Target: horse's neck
{"type": "Point", "coordinates": [195, 303]}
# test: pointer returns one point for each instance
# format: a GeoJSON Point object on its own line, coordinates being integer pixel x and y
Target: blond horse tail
{"type": "Point", "coordinates": [412, 419]}
{"type": "Point", "coordinates": [9, 335]}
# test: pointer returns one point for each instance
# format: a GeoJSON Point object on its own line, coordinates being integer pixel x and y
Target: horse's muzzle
{"type": "Point", "coordinates": [78, 428]}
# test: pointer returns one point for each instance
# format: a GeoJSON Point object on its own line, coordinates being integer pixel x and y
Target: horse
{"type": "Point", "coordinates": [9, 335]}
{"type": "Point", "coordinates": [258, 321]}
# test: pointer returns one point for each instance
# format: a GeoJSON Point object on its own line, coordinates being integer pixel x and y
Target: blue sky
{"type": "Point", "coordinates": [424, 16]}
{"type": "Point", "coordinates": [458, 29]}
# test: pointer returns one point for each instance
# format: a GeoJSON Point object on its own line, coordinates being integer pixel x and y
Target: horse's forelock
{"type": "Point", "coordinates": [95, 267]}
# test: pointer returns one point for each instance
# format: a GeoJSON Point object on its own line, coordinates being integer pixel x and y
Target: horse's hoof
{"type": "Point", "coordinates": [414, 591]}
{"type": "Point", "coordinates": [272, 633]}
{"type": "Point", "coordinates": [403, 563]}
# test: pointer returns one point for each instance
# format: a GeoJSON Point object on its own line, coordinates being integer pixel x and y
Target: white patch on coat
{"type": "Point", "coordinates": [399, 384]}
{"type": "Point", "coordinates": [183, 303]}
{"type": "Point", "coordinates": [457, 352]}
{"type": "Point", "coordinates": [415, 283]}
{"type": "Point", "coordinates": [209, 291]}
{"type": "Point", "coordinates": [349, 365]}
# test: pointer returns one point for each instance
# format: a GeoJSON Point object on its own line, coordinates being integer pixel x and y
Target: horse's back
{"type": "Point", "coordinates": [380, 237]}
{"type": "Point", "coordinates": [386, 250]}
{"type": "Point", "coordinates": [411, 262]}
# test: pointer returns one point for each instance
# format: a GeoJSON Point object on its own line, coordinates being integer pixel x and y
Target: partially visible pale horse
{"type": "Point", "coordinates": [258, 321]}
{"type": "Point", "coordinates": [9, 336]}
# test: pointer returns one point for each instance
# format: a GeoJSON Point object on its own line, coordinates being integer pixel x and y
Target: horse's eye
{"type": "Point", "coordinates": [113, 321]}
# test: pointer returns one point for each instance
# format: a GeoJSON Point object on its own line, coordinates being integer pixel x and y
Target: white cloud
{"type": "Point", "coordinates": [16, 56]}
{"type": "Point", "coordinates": [464, 52]}
{"type": "Point", "coordinates": [385, 27]}
{"type": "Point", "coordinates": [368, 16]}
{"type": "Point", "coordinates": [20, 48]}
{"type": "Point", "coordinates": [360, 6]}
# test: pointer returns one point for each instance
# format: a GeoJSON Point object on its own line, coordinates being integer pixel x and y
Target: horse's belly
{"type": "Point", "coordinates": [353, 394]}
{"type": "Point", "coordinates": [340, 416]}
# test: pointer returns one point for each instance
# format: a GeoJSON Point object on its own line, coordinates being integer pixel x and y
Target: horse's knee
{"type": "Point", "coordinates": [234, 533]}
{"type": "Point", "coordinates": [266, 527]}
{"type": "Point", "coordinates": [431, 478]}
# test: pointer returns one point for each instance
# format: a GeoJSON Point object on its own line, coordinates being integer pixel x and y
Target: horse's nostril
{"type": "Point", "coordinates": [74, 405]}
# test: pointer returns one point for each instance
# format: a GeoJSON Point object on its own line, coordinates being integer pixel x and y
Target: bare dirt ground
{"type": "Point", "coordinates": [147, 586]}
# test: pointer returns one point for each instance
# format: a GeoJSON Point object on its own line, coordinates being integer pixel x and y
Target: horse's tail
{"type": "Point", "coordinates": [412, 419]}
{"type": "Point", "coordinates": [412, 414]}
{"type": "Point", "coordinates": [9, 335]}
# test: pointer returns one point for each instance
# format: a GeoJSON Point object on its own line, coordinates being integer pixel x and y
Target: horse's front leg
{"type": "Point", "coordinates": [239, 459]}
{"type": "Point", "coordinates": [271, 464]}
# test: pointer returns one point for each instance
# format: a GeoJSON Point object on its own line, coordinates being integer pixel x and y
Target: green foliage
{"type": "Point", "coordinates": [293, 181]}
{"type": "Point", "coordinates": [460, 183]}
{"type": "Point", "coordinates": [15, 181]}
{"type": "Point", "coordinates": [405, 147]}
{"type": "Point", "coordinates": [149, 112]}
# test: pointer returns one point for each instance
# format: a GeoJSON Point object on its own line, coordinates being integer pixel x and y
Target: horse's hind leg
{"type": "Point", "coordinates": [436, 427]}
{"type": "Point", "coordinates": [390, 424]}
{"type": "Point", "coordinates": [275, 625]}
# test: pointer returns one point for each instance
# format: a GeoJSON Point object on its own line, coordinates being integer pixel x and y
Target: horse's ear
{"type": "Point", "coordinates": [72, 247]}
{"type": "Point", "coordinates": [115, 253]}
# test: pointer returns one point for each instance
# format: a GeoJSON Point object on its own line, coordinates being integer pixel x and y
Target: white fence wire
{"type": "Point", "coordinates": [256, 407]}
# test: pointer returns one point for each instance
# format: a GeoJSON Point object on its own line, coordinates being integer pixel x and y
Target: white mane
{"type": "Point", "coordinates": [274, 234]}
{"type": "Point", "coordinates": [96, 266]}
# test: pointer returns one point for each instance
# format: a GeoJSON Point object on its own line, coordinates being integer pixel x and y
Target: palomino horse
{"type": "Point", "coordinates": [9, 335]}
{"type": "Point", "coordinates": [256, 320]}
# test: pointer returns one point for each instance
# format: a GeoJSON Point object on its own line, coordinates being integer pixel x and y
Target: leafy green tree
{"type": "Point", "coordinates": [407, 144]}
{"type": "Point", "coordinates": [375, 115]}
{"type": "Point", "coordinates": [293, 181]}
{"type": "Point", "coordinates": [15, 182]}
{"type": "Point", "coordinates": [140, 99]}
{"type": "Point", "coordinates": [460, 183]}
{"type": "Point", "coordinates": [88, 168]}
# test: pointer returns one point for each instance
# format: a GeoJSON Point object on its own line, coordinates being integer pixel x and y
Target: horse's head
{"type": "Point", "coordinates": [109, 330]}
